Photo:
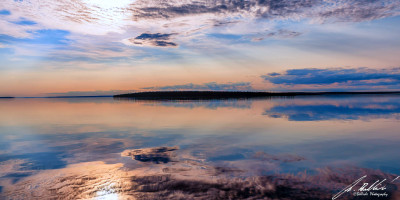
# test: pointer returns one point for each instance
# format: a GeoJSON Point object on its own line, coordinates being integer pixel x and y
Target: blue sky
{"type": "Point", "coordinates": [133, 45]}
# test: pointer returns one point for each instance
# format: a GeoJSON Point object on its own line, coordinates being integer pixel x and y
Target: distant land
{"type": "Point", "coordinates": [66, 97]}
{"type": "Point", "coordinates": [57, 97]}
{"type": "Point", "coordinates": [209, 95]}
{"type": "Point", "coordinates": [98, 96]}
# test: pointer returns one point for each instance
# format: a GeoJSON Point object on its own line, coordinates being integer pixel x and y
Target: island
{"type": "Point", "coordinates": [210, 95]}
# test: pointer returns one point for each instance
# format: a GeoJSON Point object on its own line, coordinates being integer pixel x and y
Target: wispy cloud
{"type": "Point", "coordinates": [344, 10]}
{"type": "Point", "coordinates": [206, 86]}
{"type": "Point", "coordinates": [101, 18]}
{"type": "Point", "coordinates": [281, 33]}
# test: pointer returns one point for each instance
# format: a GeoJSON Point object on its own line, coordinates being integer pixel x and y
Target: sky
{"type": "Point", "coordinates": [100, 47]}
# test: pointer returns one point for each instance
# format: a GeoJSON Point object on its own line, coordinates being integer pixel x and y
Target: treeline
{"type": "Point", "coordinates": [205, 95]}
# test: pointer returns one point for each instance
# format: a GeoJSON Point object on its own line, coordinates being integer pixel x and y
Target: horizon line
{"type": "Point", "coordinates": [214, 91]}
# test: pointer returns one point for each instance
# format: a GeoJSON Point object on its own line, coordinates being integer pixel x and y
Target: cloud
{"type": "Point", "coordinates": [96, 49]}
{"type": "Point", "coordinates": [151, 40]}
{"type": "Point", "coordinates": [94, 17]}
{"type": "Point", "coordinates": [360, 10]}
{"type": "Point", "coordinates": [165, 24]}
{"type": "Point", "coordinates": [251, 18]}
{"type": "Point", "coordinates": [281, 33]}
{"type": "Point", "coordinates": [87, 17]}
{"type": "Point", "coordinates": [343, 10]}
{"type": "Point", "coordinates": [18, 28]}
{"type": "Point", "coordinates": [337, 77]}
{"type": "Point", "coordinates": [206, 86]}
{"type": "Point", "coordinates": [64, 47]}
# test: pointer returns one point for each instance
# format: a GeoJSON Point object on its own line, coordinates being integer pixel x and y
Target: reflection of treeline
{"type": "Point", "coordinates": [199, 95]}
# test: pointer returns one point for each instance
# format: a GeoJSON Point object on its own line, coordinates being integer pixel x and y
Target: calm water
{"type": "Point", "coordinates": [101, 148]}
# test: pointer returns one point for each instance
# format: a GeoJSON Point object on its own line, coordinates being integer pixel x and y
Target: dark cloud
{"type": "Point", "coordinates": [206, 86]}
{"type": "Point", "coordinates": [284, 33]}
{"type": "Point", "coordinates": [343, 10]}
{"type": "Point", "coordinates": [260, 8]}
{"type": "Point", "coordinates": [165, 44]}
{"type": "Point", "coordinates": [155, 154]}
{"type": "Point", "coordinates": [339, 76]}
{"type": "Point", "coordinates": [156, 36]}
{"type": "Point", "coordinates": [156, 40]}
{"type": "Point", "coordinates": [218, 23]}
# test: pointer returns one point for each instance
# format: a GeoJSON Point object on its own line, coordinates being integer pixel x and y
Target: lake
{"type": "Point", "coordinates": [105, 148]}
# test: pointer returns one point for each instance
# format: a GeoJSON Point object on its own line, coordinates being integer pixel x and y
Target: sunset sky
{"type": "Point", "coordinates": [96, 47]}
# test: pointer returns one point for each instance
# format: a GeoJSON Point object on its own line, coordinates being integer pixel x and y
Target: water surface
{"type": "Point", "coordinates": [296, 148]}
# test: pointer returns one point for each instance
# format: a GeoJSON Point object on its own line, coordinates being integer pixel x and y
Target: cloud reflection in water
{"type": "Point", "coordinates": [363, 108]}
{"type": "Point", "coordinates": [186, 179]}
